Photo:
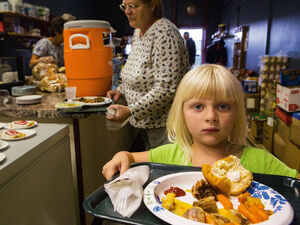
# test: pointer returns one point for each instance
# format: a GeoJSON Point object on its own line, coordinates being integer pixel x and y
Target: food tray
{"type": "Point", "coordinates": [87, 109]}
{"type": "Point", "coordinates": [99, 205]}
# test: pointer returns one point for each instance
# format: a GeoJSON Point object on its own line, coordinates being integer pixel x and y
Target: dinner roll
{"type": "Point", "coordinates": [228, 175]}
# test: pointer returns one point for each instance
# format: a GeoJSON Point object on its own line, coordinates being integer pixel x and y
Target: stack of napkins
{"type": "Point", "coordinates": [126, 191]}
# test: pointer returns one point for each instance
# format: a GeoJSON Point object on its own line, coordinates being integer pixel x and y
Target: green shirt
{"type": "Point", "coordinates": [253, 159]}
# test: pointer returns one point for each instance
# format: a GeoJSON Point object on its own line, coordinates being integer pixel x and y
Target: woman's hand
{"type": "Point", "coordinates": [120, 162]}
{"type": "Point", "coordinates": [113, 94]}
{"type": "Point", "coordinates": [122, 113]}
{"type": "Point", "coordinates": [36, 59]}
{"type": "Point", "coordinates": [47, 59]}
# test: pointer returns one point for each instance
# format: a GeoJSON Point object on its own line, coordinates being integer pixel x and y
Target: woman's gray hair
{"type": "Point", "coordinates": [158, 11]}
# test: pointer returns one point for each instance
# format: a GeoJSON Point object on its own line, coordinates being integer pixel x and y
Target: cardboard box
{"type": "Point", "coordinates": [295, 131]}
{"type": "Point", "coordinates": [268, 134]}
{"type": "Point", "coordinates": [249, 86]}
{"type": "Point", "coordinates": [288, 98]}
{"type": "Point", "coordinates": [284, 116]}
{"type": "Point", "coordinates": [283, 130]}
{"type": "Point", "coordinates": [257, 130]}
{"type": "Point", "coordinates": [292, 156]}
{"type": "Point", "coordinates": [287, 152]}
{"type": "Point", "coordinates": [5, 6]}
{"type": "Point", "coordinates": [279, 146]}
{"type": "Point", "coordinates": [252, 102]}
{"type": "Point", "coordinates": [290, 77]}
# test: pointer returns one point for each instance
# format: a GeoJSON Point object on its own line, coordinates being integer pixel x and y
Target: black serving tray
{"type": "Point", "coordinates": [87, 109]}
{"type": "Point", "coordinates": [99, 205]}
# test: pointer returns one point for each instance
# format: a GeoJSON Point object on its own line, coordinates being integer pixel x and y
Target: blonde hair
{"type": "Point", "coordinates": [206, 81]}
{"type": "Point", "coordinates": [158, 8]}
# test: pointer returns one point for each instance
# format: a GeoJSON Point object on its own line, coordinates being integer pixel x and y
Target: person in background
{"type": "Point", "coordinates": [51, 49]}
{"type": "Point", "coordinates": [68, 17]}
{"type": "Point", "coordinates": [207, 122]}
{"type": "Point", "coordinates": [221, 33]}
{"type": "Point", "coordinates": [190, 44]}
{"type": "Point", "coordinates": [216, 53]}
{"type": "Point", "coordinates": [156, 64]}
{"type": "Point", "coordinates": [117, 61]}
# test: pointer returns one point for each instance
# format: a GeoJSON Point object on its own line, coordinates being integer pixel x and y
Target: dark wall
{"type": "Point", "coordinates": [274, 25]}
{"type": "Point", "coordinates": [285, 30]}
{"type": "Point", "coordinates": [90, 10]}
{"type": "Point", "coordinates": [184, 20]}
{"type": "Point", "coordinates": [208, 10]}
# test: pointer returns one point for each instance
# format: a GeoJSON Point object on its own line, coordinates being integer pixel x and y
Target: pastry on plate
{"type": "Point", "coordinates": [228, 175]}
{"type": "Point", "coordinates": [12, 134]}
{"type": "Point", "coordinates": [21, 124]}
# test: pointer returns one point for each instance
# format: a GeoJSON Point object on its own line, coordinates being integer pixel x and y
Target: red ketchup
{"type": "Point", "coordinates": [11, 132]}
{"type": "Point", "coordinates": [21, 122]}
{"type": "Point", "coordinates": [176, 190]}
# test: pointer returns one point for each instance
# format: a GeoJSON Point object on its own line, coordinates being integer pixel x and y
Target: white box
{"type": "Point", "coordinates": [5, 6]}
{"type": "Point", "coordinates": [288, 98]}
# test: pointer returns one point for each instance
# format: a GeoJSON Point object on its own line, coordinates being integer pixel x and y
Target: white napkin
{"type": "Point", "coordinates": [126, 191]}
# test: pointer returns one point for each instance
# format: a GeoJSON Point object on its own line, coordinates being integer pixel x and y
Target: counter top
{"type": "Point", "coordinates": [21, 153]}
{"type": "Point", "coordinates": [45, 109]}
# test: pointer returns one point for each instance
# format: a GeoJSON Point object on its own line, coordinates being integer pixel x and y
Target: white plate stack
{"type": "Point", "coordinates": [28, 99]}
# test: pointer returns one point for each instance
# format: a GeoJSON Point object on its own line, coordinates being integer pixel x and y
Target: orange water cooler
{"type": "Point", "coordinates": [88, 56]}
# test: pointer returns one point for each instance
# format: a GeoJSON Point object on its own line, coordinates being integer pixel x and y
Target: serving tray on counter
{"type": "Point", "coordinates": [99, 204]}
{"type": "Point", "coordinates": [86, 109]}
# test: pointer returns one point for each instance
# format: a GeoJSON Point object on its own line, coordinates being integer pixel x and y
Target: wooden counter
{"type": "Point", "coordinates": [92, 145]}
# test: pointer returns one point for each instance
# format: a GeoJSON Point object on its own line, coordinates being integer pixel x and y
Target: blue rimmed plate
{"type": "Point", "coordinates": [283, 212]}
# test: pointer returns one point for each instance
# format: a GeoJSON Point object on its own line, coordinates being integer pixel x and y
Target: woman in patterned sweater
{"type": "Point", "coordinates": [154, 68]}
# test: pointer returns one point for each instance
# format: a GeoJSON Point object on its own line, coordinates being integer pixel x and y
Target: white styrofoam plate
{"type": "Point", "coordinates": [85, 100]}
{"type": "Point", "coordinates": [2, 125]}
{"type": "Point", "coordinates": [283, 212]}
{"type": "Point", "coordinates": [2, 156]}
{"type": "Point", "coordinates": [9, 135]}
{"type": "Point", "coordinates": [21, 124]}
{"type": "Point", "coordinates": [3, 145]}
{"type": "Point", "coordinates": [28, 99]}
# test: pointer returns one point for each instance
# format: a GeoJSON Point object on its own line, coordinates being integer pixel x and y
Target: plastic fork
{"type": "Point", "coordinates": [124, 194]}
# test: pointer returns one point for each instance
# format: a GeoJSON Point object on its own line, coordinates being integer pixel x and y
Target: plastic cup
{"type": "Point", "coordinates": [70, 92]}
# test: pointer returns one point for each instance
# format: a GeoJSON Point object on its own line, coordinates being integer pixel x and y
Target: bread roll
{"type": "Point", "coordinates": [228, 175]}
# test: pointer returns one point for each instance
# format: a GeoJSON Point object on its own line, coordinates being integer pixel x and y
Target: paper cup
{"type": "Point", "coordinates": [70, 92]}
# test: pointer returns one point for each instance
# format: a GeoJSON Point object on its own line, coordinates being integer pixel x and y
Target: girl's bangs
{"type": "Point", "coordinates": [212, 87]}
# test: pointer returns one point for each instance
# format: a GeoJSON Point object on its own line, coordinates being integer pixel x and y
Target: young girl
{"type": "Point", "coordinates": [207, 122]}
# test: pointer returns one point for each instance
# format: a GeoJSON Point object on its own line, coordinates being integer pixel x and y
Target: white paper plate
{"type": "Point", "coordinates": [283, 212]}
{"type": "Point", "coordinates": [21, 124]}
{"type": "Point", "coordinates": [69, 106]}
{"type": "Point", "coordinates": [105, 102]}
{"type": "Point", "coordinates": [3, 145]}
{"type": "Point", "coordinates": [2, 156]}
{"type": "Point", "coordinates": [2, 125]}
{"type": "Point", "coordinates": [28, 133]}
{"type": "Point", "coordinates": [28, 99]}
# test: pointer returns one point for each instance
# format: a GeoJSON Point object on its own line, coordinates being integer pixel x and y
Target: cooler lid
{"type": "Point", "coordinates": [87, 24]}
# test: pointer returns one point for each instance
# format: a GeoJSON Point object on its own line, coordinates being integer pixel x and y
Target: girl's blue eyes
{"type": "Point", "coordinates": [224, 107]}
{"type": "Point", "coordinates": [221, 107]}
{"type": "Point", "coordinates": [198, 107]}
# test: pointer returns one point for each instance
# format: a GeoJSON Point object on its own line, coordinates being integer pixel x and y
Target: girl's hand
{"type": "Point", "coordinates": [120, 162]}
{"type": "Point", "coordinates": [113, 94]}
{"type": "Point", "coordinates": [122, 113]}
